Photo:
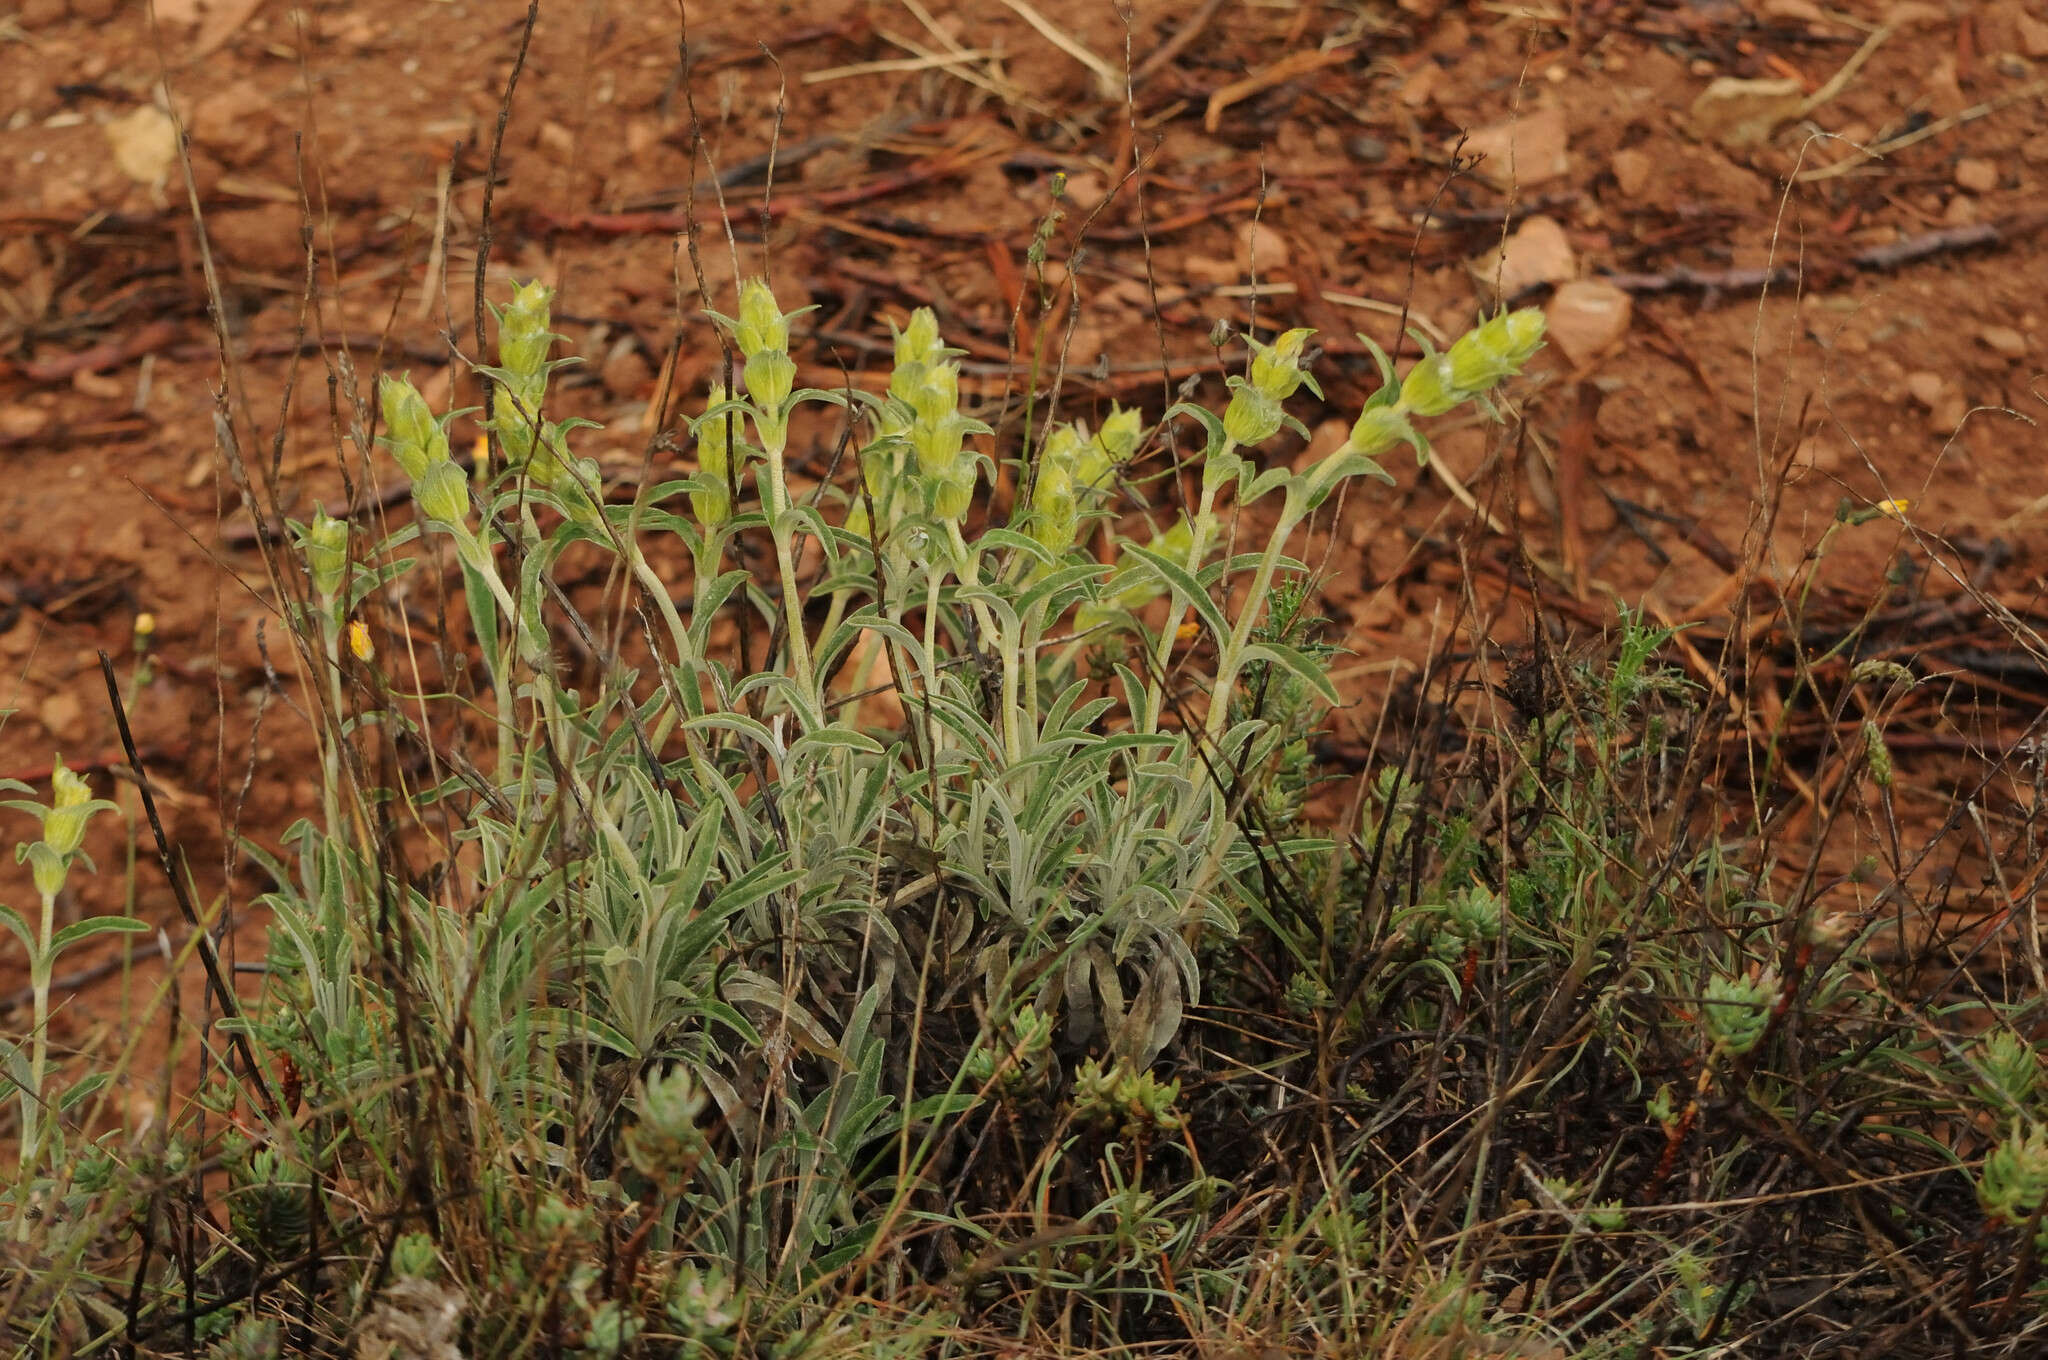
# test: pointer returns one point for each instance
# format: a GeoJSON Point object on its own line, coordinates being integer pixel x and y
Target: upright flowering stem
{"type": "Point", "coordinates": [1200, 529]}
{"type": "Point", "coordinates": [785, 559]}
{"type": "Point", "coordinates": [967, 570]}
{"type": "Point", "coordinates": [934, 579]}
{"type": "Point", "coordinates": [1437, 384]}
{"type": "Point", "coordinates": [71, 804]}
{"type": "Point", "coordinates": [762, 334]}
{"type": "Point", "coordinates": [39, 966]}
{"type": "Point", "coordinates": [1230, 660]}
{"type": "Point", "coordinates": [326, 548]}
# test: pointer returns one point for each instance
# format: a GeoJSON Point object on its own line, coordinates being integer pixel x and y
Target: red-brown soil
{"type": "Point", "coordinates": [1310, 145]}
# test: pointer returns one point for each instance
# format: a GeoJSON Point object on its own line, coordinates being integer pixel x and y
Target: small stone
{"type": "Point", "coordinates": [22, 422]}
{"type": "Point", "coordinates": [265, 237]}
{"type": "Point", "coordinates": [1949, 416]}
{"type": "Point", "coordinates": [1084, 347]}
{"type": "Point", "coordinates": [1587, 318]}
{"type": "Point", "coordinates": [1916, 14]}
{"type": "Point", "coordinates": [1537, 253]}
{"type": "Point", "coordinates": [1977, 175]}
{"type": "Point", "coordinates": [1265, 247]}
{"type": "Point", "coordinates": [626, 372]}
{"type": "Point", "coordinates": [361, 33]}
{"type": "Point", "coordinates": [1925, 388]}
{"type": "Point", "coordinates": [1368, 150]}
{"type": "Point", "coordinates": [1961, 211]}
{"type": "Point", "coordinates": [1324, 440]}
{"type": "Point", "coordinates": [1085, 190]}
{"type": "Point", "coordinates": [1793, 11]}
{"type": "Point", "coordinates": [63, 716]}
{"type": "Point", "coordinates": [1420, 86]}
{"type": "Point", "coordinates": [1531, 150]}
{"type": "Point", "coordinates": [1736, 113]}
{"type": "Point", "coordinates": [234, 123]}
{"type": "Point", "coordinates": [108, 387]}
{"type": "Point", "coordinates": [124, 541]}
{"type": "Point", "coordinates": [1825, 453]}
{"type": "Point", "coordinates": [1203, 270]}
{"type": "Point", "coordinates": [2034, 150]}
{"type": "Point", "coordinates": [556, 138]}
{"type": "Point", "coordinates": [1942, 89]}
{"type": "Point", "coordinates": [37, 14]}
{"type": "Point", "coordinates": [1632, 170]}
{"type": "Point", "coordinates": [2004, 340]}
{"type": "Point", "coordinates": [2032, 32]}
{"type": "Point", "coordinates": [21, 259]}
{"type": "Point", "coordinates": [145, 144]}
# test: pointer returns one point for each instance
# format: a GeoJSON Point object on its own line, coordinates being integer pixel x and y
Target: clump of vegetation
{"type": "Point", "coordinates": [647, 987]}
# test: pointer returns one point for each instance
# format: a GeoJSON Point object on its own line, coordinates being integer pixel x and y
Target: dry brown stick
{"type": "Point", "coordinates": [659, 223]}
{"type": "Point", "coordinates": [1193, 217]}
{"type": "Point", "coordinates": [1892, 255]}
{"type": "Point", "coordinates": [107, 354]}
{"type": "Point", "coordinates": [1941, 241]}
{"type": "Point", "coordinates": [1574, 453]}
{"type": "Point", "coordinates": [1682, 278]}
{"type": "Point", "coordinates": [1288, 68]}
{"type": "Point", "coordinates": [209, 957]}
{"type": "Point", "coordinates": [1177, 44]}
{"type": "Point", "coordinates": [1682, 351]}
{"type": "Point", "coordinates": [64, 436]}
{"type": "Point", "coordinates": [1864, 155]}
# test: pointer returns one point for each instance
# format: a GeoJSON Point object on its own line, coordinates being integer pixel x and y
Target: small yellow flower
{"type": "Point", "coordinates": [145, 631]}
{"type": "Point", "coordinates": [359, 641]}
{"type": "Point", "coordinates": [64, 826]}
{"type": "Point", "coordinates": [1894, 508]}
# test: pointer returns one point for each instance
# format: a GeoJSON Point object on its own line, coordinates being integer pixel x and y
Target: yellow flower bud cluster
{"type": "Point", "coordinates": [926, 384]}
{"type": "Point", "coordinates": [325, 541]}
{"type": "Point", "coordinates": [1132, 585]}
{"type": "Point", "coordinates": [762, 334]}
{"type": "Point", "coordinates": [71, 807]}
{"type": "Point", "coordinates": [711, 503]}
{"type": "Point", "coordinates": [1075, 471]}
{"type": "Point", "coordinates": [882, 464]}
{"type": "Point", "coordinates": [533, 444]}
{"type": "Point", "coordinates": [524, 338]}
{"type": "Point", "coordinates": [64, 828]}
{"type": "Point", "coordinates": [762, 327]}
{"type": "Point", "coordinates": [416, 440]}
{"type": "Point", "coordinates": [1254, 414]}
{"type": "Point", "coordinates": [1471, 367]}
{"type": "Point", "coordinates": [420, 444]}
